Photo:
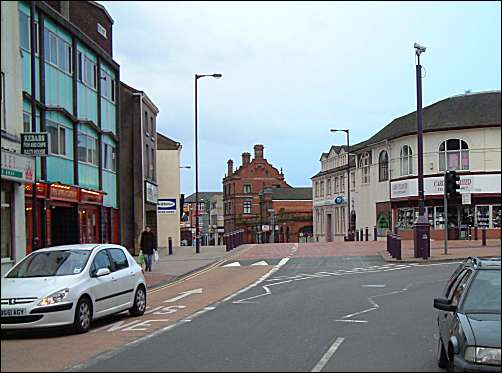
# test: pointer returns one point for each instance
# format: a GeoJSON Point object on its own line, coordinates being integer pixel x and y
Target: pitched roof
{"type": "Point", "coordinates": [165, 143]}
{"type": "Point", "coordinates": [336, 169]}
{"type": "Point", "coordinates": [466, 110]}
{"type": "Point", "coordinates": [292, 193]}
{"type": "Point", "coordinates": [206, 196]}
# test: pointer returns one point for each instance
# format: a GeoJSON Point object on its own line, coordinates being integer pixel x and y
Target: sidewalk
{"type": "Point", "coordinates": [457, 250]}
{"type": "Point", "coordinates": [185, 261]}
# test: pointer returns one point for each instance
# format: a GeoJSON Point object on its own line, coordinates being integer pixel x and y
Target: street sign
{"type": "Point", "coordinates": [339, 200]}
{"type": "Point", "coordinates": [466, 198]}
{"type": "Point", "coordinates": [166, 206]}
{"type": "Point", "coordinates": [35, 144]}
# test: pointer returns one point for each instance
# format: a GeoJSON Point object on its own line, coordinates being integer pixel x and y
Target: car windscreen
{"type": "Point", "coordinates": [483, 295]}
{"type": "Point", "coordinates": [51, 263]}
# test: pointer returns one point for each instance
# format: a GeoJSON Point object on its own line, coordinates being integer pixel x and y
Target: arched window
{"type": "Point", "coordinates": [383, 166]}
{"type": "Point", "coordinates": [453, 155]}
{"type": "Point", "coordinates": [364, 165]}
{"type": "Point", "coordinates": [406, 160]}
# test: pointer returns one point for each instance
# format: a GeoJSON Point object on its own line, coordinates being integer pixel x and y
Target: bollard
{"type": "Point", "coordinates": [388, 242]}
{"type": "Point", "coordinates": [483, 236]}
{"type": "Point", "coordinates": [361, 234]}
{"type": "Point", "coordinates": [392, 239]}
{"type": "Point", "coordinates": [375, 233]}
{"type": "Point", "coordinates": [357, 235]}
{"type": "Point", "coordinates": [475, 233]}
{"type": "Point", "coordinates": [398, 248]}
{"type": "Point", "coordinates": [226, 242]}
{"type": "Point", "coordinates": [170, 243]}
{"type": "Point", "coordinates": [366, 234]}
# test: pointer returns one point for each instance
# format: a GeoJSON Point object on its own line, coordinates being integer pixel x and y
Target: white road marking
{"type": "Point", "coordinates": [373, 286]}
{"type": "Point", "coordinates": [234, 264]}
{"type": "Point", "coordinates": [184, 295]}
{"type": "Point", "coordinates": [262, 263]}
{"type": "Point", "coordinates": [353, 321]}
{"type": "Point", "coordinates": [324, 360]}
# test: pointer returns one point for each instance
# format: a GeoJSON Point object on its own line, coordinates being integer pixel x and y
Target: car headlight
{"type": "Point", "coordinates": [54, 298]}
{"type": "Point", "coordinates": [483, 355]}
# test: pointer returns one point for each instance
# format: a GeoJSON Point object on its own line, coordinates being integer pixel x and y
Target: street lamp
{"type": "Point", "coordinates": [348, 180]}
{"type": "Point", "coordinates": [197, 244]}
{"type": "Point", "coordinates": [421, 227]}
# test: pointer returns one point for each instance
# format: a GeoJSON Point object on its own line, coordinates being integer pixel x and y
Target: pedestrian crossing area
{"type": "Point", "coordinates": [252, 263]}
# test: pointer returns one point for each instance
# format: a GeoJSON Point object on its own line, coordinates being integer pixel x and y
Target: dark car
{"type": "Point", "coordinates": [469, 318]}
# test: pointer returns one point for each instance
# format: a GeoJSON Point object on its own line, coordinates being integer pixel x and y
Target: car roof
{"type": "Point", "coordinates": [482, 263]}
{"type": "Point", "coordinates": [87, 246]}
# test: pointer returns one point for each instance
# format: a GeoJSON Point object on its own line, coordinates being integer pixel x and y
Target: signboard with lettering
{"type": "Point", "coordinates": [151, 194]}
{"type": "Point", "coordinates": [166, 206]}
{"type": "Point", "coordinates": [17, 167]}
{"type": "Point", "coordinates": [35, 144]}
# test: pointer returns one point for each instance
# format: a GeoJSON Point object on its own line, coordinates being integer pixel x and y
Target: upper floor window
{"type": "Point", "coordinates": [57, 51]}
{"type": "Point", "coordinates": [453, 155]}
{"type": "Point", "coordinates": [352, 181]}
{"type": "Point", "coordinates": [86, 149]}
{"type": "Point", "coordinates": [25, 32]}
{"type": "Point", "coordinates": [247, 188]}
{"type": "Point", "coordinates": [322, 188]}
{"type": "Point", "coordinates": [383, 166]}
{"type": "Point", "coordinates": [87, 72]}
{"type": "Point", "coordinates": [342, 183]}
{"type": "Point", "coordinates": [364, 165]}
{"type": "Point", "coordinates": [57, 138]}
{"type": "Point", "coordinates": [26, 121]}
{"type": "Point", "coordinates": [328, 187]}
{"type": "Point", "coordinates": [316, 189]}
{"type": "Point", "coordinates": [107, 86]}
{"type": "Point", "coordinates": [337, 185]}
{"type": "Point", "coordinates": [102, 31]}
{"type": "Point", "coordinates": [406, 158]}
{"type": "Point", "coordinates": [247, 207]}
{"type": "Point", "coordinates": [109, 157]}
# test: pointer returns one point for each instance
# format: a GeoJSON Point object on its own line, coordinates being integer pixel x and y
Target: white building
{"type": "Point", "coordinates": [461, 133]}
{"type": "Point", "coordinates": [16, 168]}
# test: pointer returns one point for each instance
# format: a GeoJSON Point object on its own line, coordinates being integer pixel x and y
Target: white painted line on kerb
{"type": "Point", "coordinates": [324, 360]}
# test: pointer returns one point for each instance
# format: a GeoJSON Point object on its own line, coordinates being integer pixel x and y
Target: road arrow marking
{"type": "Point", "coordinates": [234, 264]}
{"type": "Point", "coordinates": [184, 294]}
{"type": "Point", "coordinates": [262, 263]}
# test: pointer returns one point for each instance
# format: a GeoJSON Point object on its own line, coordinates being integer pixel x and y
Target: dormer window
{"type": "Point", "coordinates": [102, 31]}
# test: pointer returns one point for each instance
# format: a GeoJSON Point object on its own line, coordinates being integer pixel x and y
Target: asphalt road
{"type": "Point", "coordinates": [312, 314]}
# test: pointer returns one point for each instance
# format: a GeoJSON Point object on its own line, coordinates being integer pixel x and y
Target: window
{"type": "Point", "coordinates": [453, 155]}
{"type": "Point", "coordinates": [26, 121]}
{"type": "Point", "coordinates": [87, 70]}
{"type": "Point", "coordinates": [352, 181]}
{"type": "Point", "coordinates": [342, 183]}
{"type": "Point", "coordinates": [406, 160]}
{"type": "Point", "coordinates": [322, 188]}
{"type": "Point", "coordinates": [107, 86]}
{"type": "Point", "coordinates": [152, 164]}
{"type": "Point", "coordinates": [86, 149]}
{"type": "Point", "coordinates": [102, 30]}
{"type": "Point", "coordinates": [316, 189]}
{"type": "Point", "coordinates": [6, 213]}
{"type": "Point", "coordinates": [247, 188]}
{"type": "Point", "coordinates": [146, 124]}
{"type": "Point", "coordinates": [364, 165]}
{"type": "Point", "coordinates": [383, 166]}
{"type": "Point", "coordinates": [109, 158]}
{"type": "Point", "coordinates": [101, 260]}
{"type": "Point", "coordinates": [147, 164]}
{"type": "Point", "coordinates": [2, 94]}
{"type": "Point", "coordinates": [328, 187]}
{"type": "Point", "coordinates": [25, 32]}
{"type": "Point", "coordinates": [57, 51]}
{"type": "Point", "coordinates": [119, 259]}
{"type": "Point", "coordinates": [57, 138]}
{"type": "Point", "coordinates": [247, 207]}
{"type": "Point", "coordinates": [152, 127]}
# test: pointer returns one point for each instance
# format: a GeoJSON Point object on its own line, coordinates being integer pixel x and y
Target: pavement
{"type": "Point", "coordinates": [184, 261]}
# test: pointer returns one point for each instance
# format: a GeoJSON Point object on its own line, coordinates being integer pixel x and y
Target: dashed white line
{"type": "Point", "coordinates": [324, 360]}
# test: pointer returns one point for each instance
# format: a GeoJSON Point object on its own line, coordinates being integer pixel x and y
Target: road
{"type": "Point", "coordinates": [338, 313]}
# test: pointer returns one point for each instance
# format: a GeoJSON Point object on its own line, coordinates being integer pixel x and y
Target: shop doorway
{"type": "Point", "coordinates": [64, 226]}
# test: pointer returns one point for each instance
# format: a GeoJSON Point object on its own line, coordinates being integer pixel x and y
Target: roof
{"type": "Point", "coordinates": [461, 111]}
{"type": "Point", "coordinates": [336, 169]}
{"type": "Point", "coordinates": [336, 148]}
{"type": "Point", "coordinates": [100, 6]}
{"type": "Point", "coordinates": [165, 143]}
{"type": "Point", "coordinates": [206, 196]}
{"type": "Point", "coordinates": [86, 246]}
{"type": "Point", "coordinates": [143, 94]}
{"type": "Point", "coordinates": [292, 193]}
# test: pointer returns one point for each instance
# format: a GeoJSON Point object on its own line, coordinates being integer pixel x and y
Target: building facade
{"type": "Point", "coordinates": [75, 102]}
{"type": "Point", "coordinates": [168, 178]}
{"type": "Point", "coordinates": [216, 219]}
{"type": "Point", "coordinates": [17, 170]}
{"type": "Point", "coordinates": [241, 189]}
{"type": "Point", "coordinates": [461, 133]}
{"type": "Point", "coordinates": [205, 231]}
{"type": "Point", "coordinates": [138, 165]}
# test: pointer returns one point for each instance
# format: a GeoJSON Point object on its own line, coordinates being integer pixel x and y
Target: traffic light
{"type": "Point", "coordinates": [452, 184]}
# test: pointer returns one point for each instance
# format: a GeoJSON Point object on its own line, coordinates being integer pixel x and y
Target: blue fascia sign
{"type": "Point", "coordinates": [166, 206]}
{"type": "Point", "coordinates": [339, 200]}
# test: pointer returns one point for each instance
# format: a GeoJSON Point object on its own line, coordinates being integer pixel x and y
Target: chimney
{"type": "Point", "coordinates": [246, 158]}
{"type": "Point", "coordinates": [258, 151]}
{"type": "Point", "coordinates": [65, 9]}
{"type": "Point", "coordinates": [230, 167]}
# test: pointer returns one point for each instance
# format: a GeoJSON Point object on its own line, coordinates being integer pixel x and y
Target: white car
{"type": "Point", "coordinates": [72, 285]}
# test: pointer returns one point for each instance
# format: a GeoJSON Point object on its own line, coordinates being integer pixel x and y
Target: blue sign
{"type": "Point", "coordinates": [339, 200]}
{"type": "Point", "coordinates": [166, 206]}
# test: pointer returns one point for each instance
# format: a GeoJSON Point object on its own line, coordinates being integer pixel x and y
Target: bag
{"type": "Point", "coordinates": [140, 258]}
{"type": "Point", "coordinates": [156, 255]}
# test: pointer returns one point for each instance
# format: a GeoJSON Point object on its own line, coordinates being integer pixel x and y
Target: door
{"type": "Point", "coordinates": [102, 288]}
{"type": "Point", "coordinates": [124, 277]}
{"type": "Point", "coordinates": [329, 228]}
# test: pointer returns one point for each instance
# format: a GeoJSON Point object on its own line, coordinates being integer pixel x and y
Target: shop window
{"type": "Point", "coordinates": [364, 165]}
{"type": "Point", "coordinates": [483, 216]}
{"type": "Point", "coordinates": [383, 166]}
{"type": "Point", "coordinates": [406, 217]}
{"type": "Point", "coordinates": [6, 226]}
{"type": "Point", "coordinates": [406, 159]}
{"type": "Point", "coordinates": [496, 216]}
{"type": "Point", "coordinates": [453, 155]}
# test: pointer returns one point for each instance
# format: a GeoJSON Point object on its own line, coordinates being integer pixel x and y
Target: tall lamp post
{"type": "Point", "coordinates": [348, 179]}
{"type": "Point", "coordinates": [197, 243]}
{"type": "Point", "coordinates": [421, 227]}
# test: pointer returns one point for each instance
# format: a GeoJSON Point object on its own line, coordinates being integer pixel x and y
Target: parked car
{"type": "Point", "coordinates": [469, 318]}
{"type": "Point", "coordinates": [72, 285]}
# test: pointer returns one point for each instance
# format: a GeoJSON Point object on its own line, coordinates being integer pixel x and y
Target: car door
{"type": "Point", "coordinates": [102, 288]}
{"type": "Point", "coordinates": [123, 277]}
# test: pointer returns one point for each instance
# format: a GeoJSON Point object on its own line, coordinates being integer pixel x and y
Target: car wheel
{"type": "Point", "coordinates": [441, 355]}
{"type": "Point", "coordinates": [83, 316]}
{"type": "Point", "coordinates": [139, 306]}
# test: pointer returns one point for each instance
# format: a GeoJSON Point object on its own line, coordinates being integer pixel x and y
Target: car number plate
{"type": "Point", "coordinates": [13, 312]}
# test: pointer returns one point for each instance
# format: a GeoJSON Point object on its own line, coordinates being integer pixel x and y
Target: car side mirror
{"type": "Point", "coordinates": [444, 305]}
{"type": "Point", "coordinates": [102, 272]}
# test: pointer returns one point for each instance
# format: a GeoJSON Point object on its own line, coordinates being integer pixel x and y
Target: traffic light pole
{"type": "Point", "coordinates": [445, 216]}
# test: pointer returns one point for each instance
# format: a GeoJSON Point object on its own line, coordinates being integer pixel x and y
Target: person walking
{"type": "Point", "coordinates": [147, 245]}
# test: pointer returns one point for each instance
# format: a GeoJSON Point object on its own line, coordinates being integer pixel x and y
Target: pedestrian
{"type": "Point", "coordinates": [147, 245]}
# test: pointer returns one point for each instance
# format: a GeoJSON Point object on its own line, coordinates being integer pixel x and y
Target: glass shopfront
{"type": "Point", "coordinates": [6, 225]}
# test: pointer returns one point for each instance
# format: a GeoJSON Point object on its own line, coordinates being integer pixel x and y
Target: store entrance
{"type": "Point", "coordinates": [459, 220]}
{"type": "Point", "coordinates": [64, 225]}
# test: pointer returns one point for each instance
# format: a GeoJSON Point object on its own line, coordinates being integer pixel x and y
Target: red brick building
{"type": "Point", "coordinates": [243, 197]}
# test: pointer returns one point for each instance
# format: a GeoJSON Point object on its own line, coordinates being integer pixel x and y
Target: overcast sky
{"type": "Point", "coordinates": [293, 70]}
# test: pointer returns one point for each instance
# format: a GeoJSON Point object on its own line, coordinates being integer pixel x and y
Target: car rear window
{"type": "Point", "coordinates": [51, 263]}
{"type": "Point", "coordinates": [483, 295]}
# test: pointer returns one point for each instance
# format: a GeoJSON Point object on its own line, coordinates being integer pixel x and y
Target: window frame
{"type": "Point", "coordinates": [443, 155]}
{"type": "Point", "coordinates": [364, 165]}
{"type": "Point", "coordinates": [247, 206]}
{"type": "Point", "coordinates": [406, 160]}
{"type": "Point", "coordinates": [94, 161]}
{"type": "Point", "coordinates": [60, 144]}
{"type": "Point", "coordinates": [383, 166]}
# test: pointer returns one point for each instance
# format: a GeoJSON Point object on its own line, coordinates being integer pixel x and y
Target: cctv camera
{"type": "Point", "coordinates": [419, 48]}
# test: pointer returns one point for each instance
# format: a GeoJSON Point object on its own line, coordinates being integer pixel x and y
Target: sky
{"type": "Point", "coordinates": [293, 70]}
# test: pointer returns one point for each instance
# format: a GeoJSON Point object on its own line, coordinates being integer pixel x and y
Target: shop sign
{"type": "Point", "coordinates": [41, 189]}
{"type": "Point", "coordinates": [90, 196]}
{"type": "Point", "coordinates": [35, 144]}
{"type": "Point", "coordinates": [466, 198]}
{"type": "Point", "coordinates": [265, 228]}
{"type": "Point", "coordinates": [17, 167]}
{"type": "Point", "coordinates": [166, 206]}
{"type": "Point", "coordinates": [63, 192]}
{"type": "Point", "coordinates": [151, 194]}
